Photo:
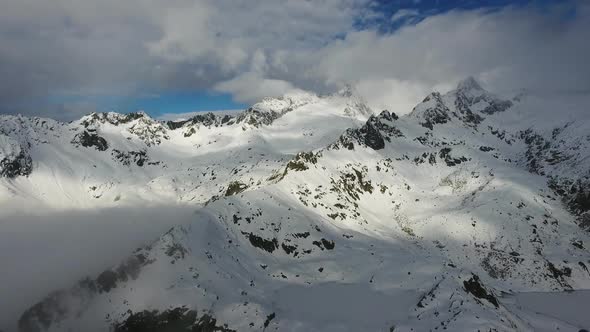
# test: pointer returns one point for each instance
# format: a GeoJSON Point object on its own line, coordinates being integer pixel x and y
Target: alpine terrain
{"type": "Point", "coordinates": [309, 213]}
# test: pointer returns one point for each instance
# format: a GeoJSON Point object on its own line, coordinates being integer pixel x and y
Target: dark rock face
{"type": "Point", "coordinates": [429, 157]}
{"type": "Point", "coordinates": [373, 134]}
{"type": "Point", "coordinates": [140, 158]}
{"type": "Point", "coordinates": [544, 152]}
{"type": "Point", "coordinates": [257, 118]}
{"type": "Point", "coordinates": [438, 114]}
{"type": "Point", "coordinates": [575, 194]}
{"type": "Point", "coordinates": [537, 147]}
{"type": "Point", "coordinates": [390, 116]}
{"type": "Point", "coordinates": [150, 131]}
{"type": "Point", "coordinates": [269, 318]}
{"type": "Point", "coordinates": [235, 187]}
{"type": "Point", "coordinates": [262, 243]}
{"type": "Point", "coordinates": [170, 320]}
{"type": "Point", "coordinates": [352, 184]}
{"type": "Point", "coordinates": [559, 274]}
{"type": "Point", "coordinates": [445, 154]}
{"type": "Point", "coordinates": [87, 140]}
{"type": "Point", "coordinates": [289, 249]}
{"type": "Point", "coordinates": [344, 141]}
{"type": "Point", "coordinates": [328, 244]}
{"type": "Point", "coordinates": [324, 244]}
{"type": "Point", "coordinates": [112, 118]}
{"type": "Point", "coordinates": [579, 192]}
{"type": "Point", "coordinates": [381, 122]}
{"type": "Point", "coordinates": [250, 116]}
{"type": "Point", "coordinates": [208, 120]}
{"type": "Point", "coordinates": [501, 266]}
{"type": "Point", "coordinates": [20, 165]}
{"type": "Point", "coordinates": [466, 96]}
{"type": "Point", "coordinates": [474, 286]}
{"type": "Point", "coordinates": [428, 297]}
{"type": "Point", "coordinates": [463, 104]}
{"type": "Point", "coordinates": [371, 137]}
{"type": "Point", "coordinates": [301, 161]}
{"type": "Point", "coordinates": [302, 235]}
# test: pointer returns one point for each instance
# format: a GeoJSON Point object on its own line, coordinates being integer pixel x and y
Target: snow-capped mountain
{"type": "Point", "coordinates": [314, 213]}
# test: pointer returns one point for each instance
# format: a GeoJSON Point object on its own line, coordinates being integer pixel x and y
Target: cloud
{"type": "Point", "coordinates": [404, 14]}
{"type": "Point", "coordinates": [125, 47]}
{"type": "Point", "coordinates": [507, 50]}
{"type": "Point", "coordinates": [250, 87]}
{"type": "Point", "coordinates": [260, 48]}
{"type": "Point", "coordinates": [44, 250]}
{"type": "Point", "coordinates": [393, 95]}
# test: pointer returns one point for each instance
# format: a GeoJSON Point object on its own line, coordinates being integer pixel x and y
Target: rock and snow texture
{"type": "Point", "coordinates": [313, 214]}
{"type": "Point", "coordinates": [14, 160]}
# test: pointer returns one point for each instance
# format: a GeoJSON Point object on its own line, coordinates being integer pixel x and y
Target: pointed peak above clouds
{"type": "Point", "coordinates": [469, 84]}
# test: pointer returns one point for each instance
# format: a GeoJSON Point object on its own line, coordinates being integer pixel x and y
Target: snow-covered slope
{"type": "Point", "coordinates": [110, 159]}
{"type": "Point", "coordinates": [314, 215]}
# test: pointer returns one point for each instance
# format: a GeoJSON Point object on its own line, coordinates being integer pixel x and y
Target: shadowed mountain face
{"type": "Point", "coordinates": [312, 214]}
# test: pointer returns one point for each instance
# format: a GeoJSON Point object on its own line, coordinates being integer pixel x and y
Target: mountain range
{"type": "Point", "coordinates": [318, 213]}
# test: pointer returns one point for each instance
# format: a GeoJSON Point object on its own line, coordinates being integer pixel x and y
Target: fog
{"type": "Point", "coordinates": [40, 253]}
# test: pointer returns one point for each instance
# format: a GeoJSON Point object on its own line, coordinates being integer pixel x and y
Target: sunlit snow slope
{"type": "Point", "coordinates": [312, 214]}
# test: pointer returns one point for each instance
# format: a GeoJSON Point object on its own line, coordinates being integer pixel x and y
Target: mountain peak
{"type": "Point", "coordinates": [346, 91]}
{"type": "Point", "coordinates": [469, 84]}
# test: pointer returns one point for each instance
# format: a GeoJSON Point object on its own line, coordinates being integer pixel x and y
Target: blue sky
{"type": "Point", "coordinates": [155, 104]}
{"type": "Point", "coordinates": [427, 8]}
{"type": "Point", "coordinates": [187, 101]}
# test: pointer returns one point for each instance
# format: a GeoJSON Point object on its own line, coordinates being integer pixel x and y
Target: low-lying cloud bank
{"type": "Point", "coordinates": [49, 250]}
{"type": "Point", "coordinates": [256, 49]}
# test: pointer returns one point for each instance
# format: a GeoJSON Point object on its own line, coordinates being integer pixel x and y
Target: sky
{"type": "Point", "coordinates": [66, 58]}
